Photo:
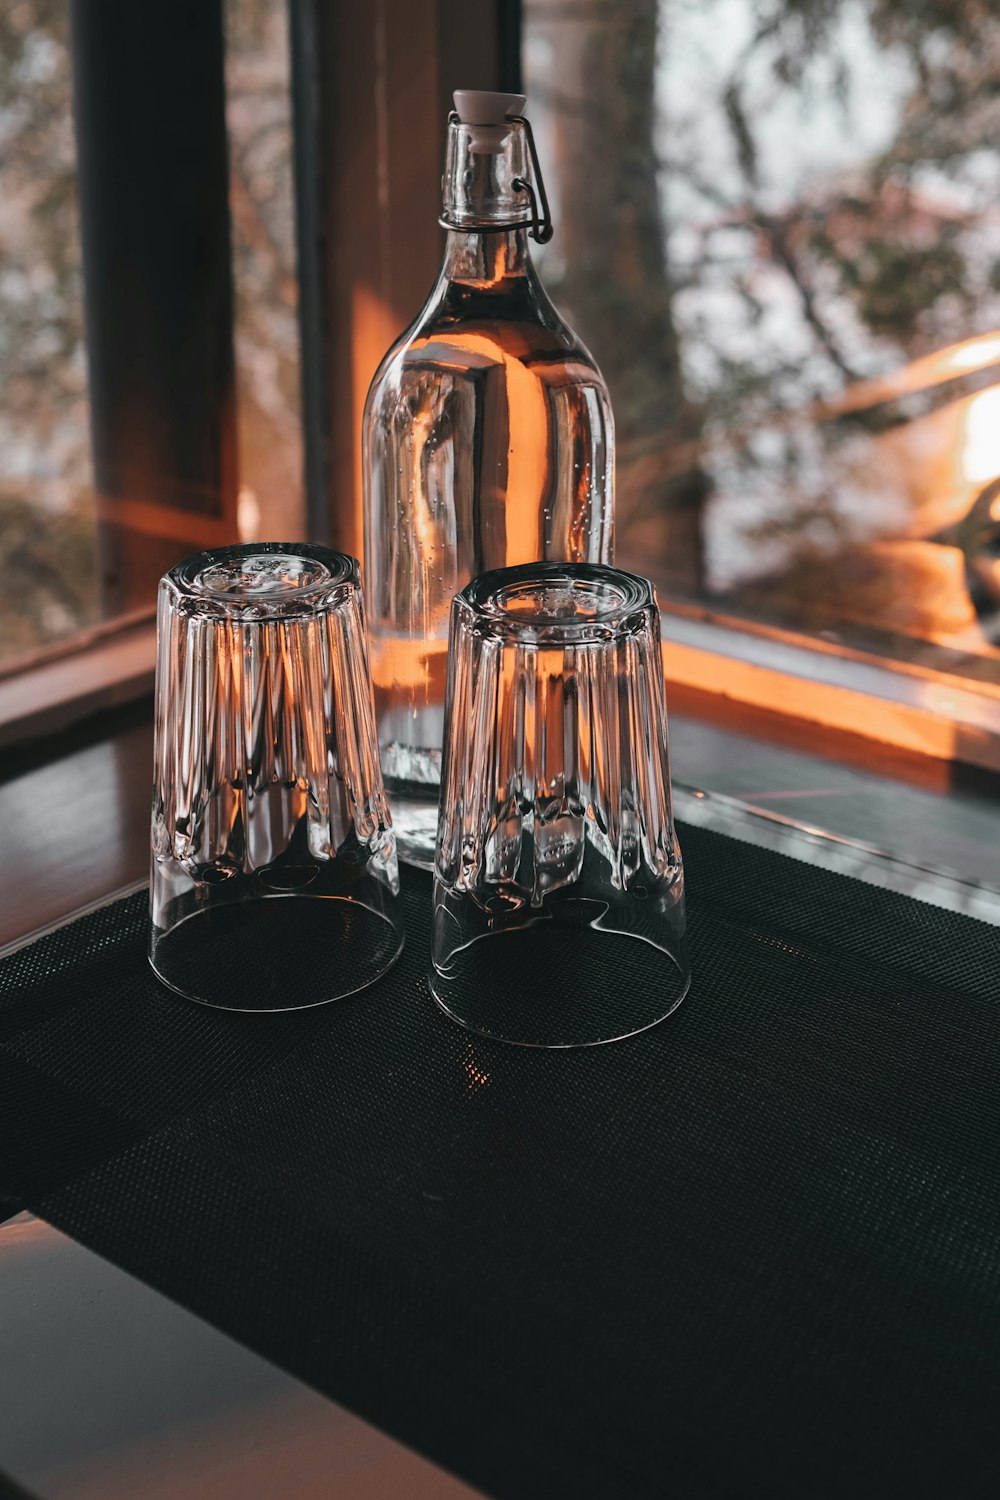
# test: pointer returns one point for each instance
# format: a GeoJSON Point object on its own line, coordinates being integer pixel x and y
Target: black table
{"type": "Point", "coordinates": [750, 1252]}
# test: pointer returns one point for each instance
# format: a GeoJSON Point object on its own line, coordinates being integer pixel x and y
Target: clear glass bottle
{"type": "Point", "coordinates": [488, 441]}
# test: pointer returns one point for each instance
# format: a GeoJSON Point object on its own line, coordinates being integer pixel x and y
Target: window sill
{"type": "Point", "coordinates": [838, 690]}
{"type": "Point", "coordinates": [813, 687]}
{"type": "Point", "coordinates": [101, 672]}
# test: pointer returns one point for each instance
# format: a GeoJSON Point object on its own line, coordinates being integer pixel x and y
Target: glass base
{"type": "Point", "coordinates": [550, 985]}
{"type": "Point", "coordinates": [276, 953]}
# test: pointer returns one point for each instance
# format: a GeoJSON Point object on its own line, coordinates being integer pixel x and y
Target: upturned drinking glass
{"type": "Point", "coordinates": [274, 875]}
{"type": "Point", "coordinates": [559, 887]}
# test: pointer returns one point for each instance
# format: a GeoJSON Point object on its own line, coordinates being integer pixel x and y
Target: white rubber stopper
{"type": "Point", "coordinates": [486, 114]}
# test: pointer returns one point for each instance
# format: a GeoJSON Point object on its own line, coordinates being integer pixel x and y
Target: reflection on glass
{"type": "Point", "coordinates": [778, 236]}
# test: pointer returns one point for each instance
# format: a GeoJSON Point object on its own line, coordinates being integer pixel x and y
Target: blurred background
{"type": "Point", "coordinates": [777, 228]}
{"type": "Point", "coordinates": [798, 307]}
{"type": "Point", "coordinates": [50, 537]}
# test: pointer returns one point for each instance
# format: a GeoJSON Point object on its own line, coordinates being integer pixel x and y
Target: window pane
{"type": "Point", "coordinates": [68, 560]}
{"type": "Point", "coordinates": [776, 226]}
{"type": "Point", "coordinates": [48, 575]}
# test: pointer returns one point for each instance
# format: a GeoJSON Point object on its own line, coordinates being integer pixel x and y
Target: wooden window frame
{"type": "Point", "coordinates": [371, 82]}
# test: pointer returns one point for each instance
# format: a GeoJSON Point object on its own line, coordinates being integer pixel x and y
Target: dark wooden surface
{"type": "Point", "coordinates": [74, 817]}
{"type": "Point", "coordinates": [74, 827]}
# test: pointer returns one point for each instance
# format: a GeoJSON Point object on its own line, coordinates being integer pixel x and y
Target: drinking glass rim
{"type": "Point", "coordinates": [325, 578]}
{"type": "Point", "coordinates": [589, 601]}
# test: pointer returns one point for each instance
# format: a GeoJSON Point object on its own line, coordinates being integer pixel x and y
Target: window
{"type": "Point", "coordinates": [48, 557]}
{"type": "Point", "coordinates": [777, 229]}
{"type": "Point", "coordinates": [775, 226]}
{"type": "Point", "coordinates": [123, 132]}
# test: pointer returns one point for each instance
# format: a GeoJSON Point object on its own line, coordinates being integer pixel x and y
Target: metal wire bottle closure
{"type": "Point", "coordinates": [539, 225]}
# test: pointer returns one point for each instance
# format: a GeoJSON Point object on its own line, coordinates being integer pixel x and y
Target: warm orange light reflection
{"type": "Point", "coordinates": [150, 518]}
{"type": "Point", "coordinates": [957, 359]}
{"type": "Point", "coordinates": [402, 666]}
{"type": "Point", "coordinates": [374, 325]}
{"type": "Point", "coordinates": [521, 492]}
{"type": "Point", "coordinates": [248, 514]}
{"type": "Point", "coordinates": [478, 1077]}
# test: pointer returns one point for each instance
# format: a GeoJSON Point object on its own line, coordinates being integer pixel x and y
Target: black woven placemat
{"type": "Point", "coordinates": [752, 1252]}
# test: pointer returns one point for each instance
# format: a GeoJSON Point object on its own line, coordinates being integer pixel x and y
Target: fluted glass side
{"type": "Point", "coordinates": [274, 873]}
{"type": "Point", "coordinates": [559, 887]}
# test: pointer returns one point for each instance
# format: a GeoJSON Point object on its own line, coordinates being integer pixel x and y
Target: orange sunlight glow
{"type": "Point", "coordinates": [974, 354]}
{"type": "Point", "coordinates": [522, 488]}
{"type": "Point", "coordinates": [920, 374]}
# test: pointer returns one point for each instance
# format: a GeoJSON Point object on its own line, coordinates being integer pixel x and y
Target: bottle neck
{"type": "Point", "coordinates": [486, 208]}
{"type": "Point", "coordinates": [485, 260]}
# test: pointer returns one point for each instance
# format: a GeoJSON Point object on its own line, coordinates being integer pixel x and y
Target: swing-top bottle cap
{"type": "Point", "coordinates": [486, 115]}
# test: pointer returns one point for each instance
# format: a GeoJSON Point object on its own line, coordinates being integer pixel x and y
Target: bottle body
{"type": "Point", "coordinates": [488, 441]}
